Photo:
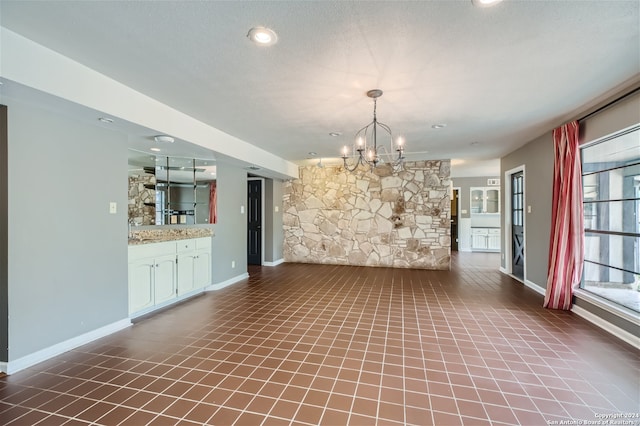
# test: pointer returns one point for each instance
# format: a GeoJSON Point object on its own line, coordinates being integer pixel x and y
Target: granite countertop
{"type": "Point", "coordinates": [148, 236]}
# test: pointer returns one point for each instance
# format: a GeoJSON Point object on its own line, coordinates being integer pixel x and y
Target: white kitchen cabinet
{"type": "Point", "coordinates": [202, 263]}
{"type": "Point", "coordinates": [194, 265]}
{"type": "Point", "coordinates": [485, 200]}
{"type": "Point", "coordinates": [165, 272]}
{"type": "Point", "coordinates": [493, 239]}
{"type": "Point", "coordinates": [141, 284]}
{"type": "Point", "coordinates": [164, 283]}
{"type": "Point", "coordinates": [485, 239]}
{"type": "Point", "coordinates": [185, 273]}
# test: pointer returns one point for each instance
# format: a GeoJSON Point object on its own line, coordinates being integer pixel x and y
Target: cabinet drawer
{"type": "Point", "coordinates": [151, 250]}
{"type": "Point", "coordinates": [495, 231]}
{"type": "Point", "coordinates": [185, 245]}
{"type": "Point", "coordinates": [203, 243]}
{"type": "Point", "coordinates": [479, 231]}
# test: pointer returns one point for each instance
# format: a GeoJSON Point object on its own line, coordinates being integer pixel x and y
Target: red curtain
{"type": "Point", "coordinates": [213, 203]}
{"type": "Point", "coordinates": [566, 251]}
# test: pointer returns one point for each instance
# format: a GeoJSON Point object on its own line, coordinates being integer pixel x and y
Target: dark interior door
{"type": "Point", "coordinates": [517, 224]}
{"type": "Point", "coordinates": [254, 222]}
{"type": "Point", "coordinates": [454, 220]}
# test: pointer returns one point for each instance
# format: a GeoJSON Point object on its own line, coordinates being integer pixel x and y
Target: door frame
{"type": "Point", "coordinates": [458, 202]}
{"type": "Point", "coordinates": [262, 204]}
{"type": "Point", "coordinates": [508, 232]}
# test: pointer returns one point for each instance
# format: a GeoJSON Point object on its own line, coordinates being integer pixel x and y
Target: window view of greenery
{"type": "Point", "coordinates": [611, 185]}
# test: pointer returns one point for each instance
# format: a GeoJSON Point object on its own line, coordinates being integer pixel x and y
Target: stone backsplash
{"type": "Point", "coordinates": [396, 219]}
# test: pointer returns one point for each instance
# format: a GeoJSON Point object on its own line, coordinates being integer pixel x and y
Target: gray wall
{"type": "Point", "coordinates": [274, 235]}
{"type": "Point", "coordinates": [67, 255]}
{"type": "Point", "coordinates": [278, 230]}
{"type": "Point", "coordinates": [230, 240]}
{"type": "Point", "coordinates": [537, 158]}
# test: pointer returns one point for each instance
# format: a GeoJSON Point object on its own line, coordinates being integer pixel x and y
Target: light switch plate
{"type": "Point", "coordinates": [241, 209]}
{"type": "Point", "coordinates": [113, 207]}
{"type": "Point", "coordinates": [528, 209]}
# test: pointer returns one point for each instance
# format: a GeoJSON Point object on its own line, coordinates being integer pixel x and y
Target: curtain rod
{"type": "Point", "coordinates": [602, 108]}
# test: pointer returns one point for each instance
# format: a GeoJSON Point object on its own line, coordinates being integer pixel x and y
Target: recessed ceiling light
{"type": "Point", "coordinates": [262, 36]}
{"type": "Point", "coordinates": [475, 143]}
{"type": "Point", "coordinates": [105, 119]}
{"type": "Point", "coordinates": [311, 153]}
{"type": "Point", "coordinates": [485, 3]}
{"type": "Point", "coordinates": [439, 126]}
{"type": "Point", "coordinates": [163, 139]}
{"type": "Point", "coordinates": [335, 134]}
{"type": "Point", "coordinates": [155, 150]}
{"type": "Point", "coordinates": [253, 168]}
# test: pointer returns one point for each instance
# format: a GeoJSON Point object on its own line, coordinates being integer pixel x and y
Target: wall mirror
{"type": "Point", "coordinates": [171, 190]}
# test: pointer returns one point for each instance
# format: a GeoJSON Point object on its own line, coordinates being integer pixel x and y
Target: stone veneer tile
{"type": "Point", "coordinates": [398, 219]}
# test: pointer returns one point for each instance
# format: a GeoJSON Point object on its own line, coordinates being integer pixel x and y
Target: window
{"type": "Point", "coordinates": [611, 187]}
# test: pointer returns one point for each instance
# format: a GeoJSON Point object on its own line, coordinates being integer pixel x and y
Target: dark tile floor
{"type": "Point", "coordinates": [335, 345]}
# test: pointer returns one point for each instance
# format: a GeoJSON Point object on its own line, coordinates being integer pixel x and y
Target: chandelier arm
{"type": "Point", "coordinates": [385, 127]}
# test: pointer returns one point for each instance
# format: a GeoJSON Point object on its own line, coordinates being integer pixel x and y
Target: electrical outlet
{"type": "Point", "coordinates": [113, 207]}
{"type": "Point", "coordinates": [233, 263]}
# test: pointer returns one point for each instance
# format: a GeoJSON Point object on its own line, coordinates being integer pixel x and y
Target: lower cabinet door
{"type": "Point", "coordinates": [202, 269]}
{"type": "Point", "coordinates": [479, 241]}
{"type": "Point", "coordinates": [141, 285]}
{"type": "Point", "coordinates": [185, 273]}
{"type": "Point", "coordinates": [493, 240]}
{"type": "Point", "coordinates": [165, 278]}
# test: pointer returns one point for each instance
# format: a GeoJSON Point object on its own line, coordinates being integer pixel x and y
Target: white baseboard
{"type": "Point", "coordinates": [274, 263]}
{"type": "Point", "coordinates": [227, 283]}
{"type": "Point", "coordinates": [59, 348]}
{"type": "Point", "coordinates": [535, 287]}
{"type": "Point", "coordinates": [465, 249]}
{"type": "Point", "coordinates": [607, 326]}
{"type": "Point", "coordinates": [592, 318]}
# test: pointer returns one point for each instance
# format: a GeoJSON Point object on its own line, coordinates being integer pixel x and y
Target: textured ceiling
{"type": "Point", "coordinates": [496, 76]}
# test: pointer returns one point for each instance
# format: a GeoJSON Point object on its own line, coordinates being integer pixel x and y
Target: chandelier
{"type": "Point", "coordinates": [366, 151]}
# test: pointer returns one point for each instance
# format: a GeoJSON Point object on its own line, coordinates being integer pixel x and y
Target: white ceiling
{"type": "Point", "coordinates": [496, 76]}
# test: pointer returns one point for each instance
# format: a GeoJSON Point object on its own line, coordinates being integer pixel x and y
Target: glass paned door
{"type": "Point", "coordinates": [517, 224]}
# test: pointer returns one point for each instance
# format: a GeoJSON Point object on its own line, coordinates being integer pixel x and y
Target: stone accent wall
{"type": "Point", "coordinates": [140, 213]}
{"type": "Point", "coordinates": [384, 218]}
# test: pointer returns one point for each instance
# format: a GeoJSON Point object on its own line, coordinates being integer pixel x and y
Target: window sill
{"type": "Point", "coordinates": [611, 307]}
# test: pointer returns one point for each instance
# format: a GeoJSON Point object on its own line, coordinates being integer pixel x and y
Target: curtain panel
{"type": "Point", "coordinates": [213, 203]}
{"type": "Point", "coordinates": [566, 251]}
